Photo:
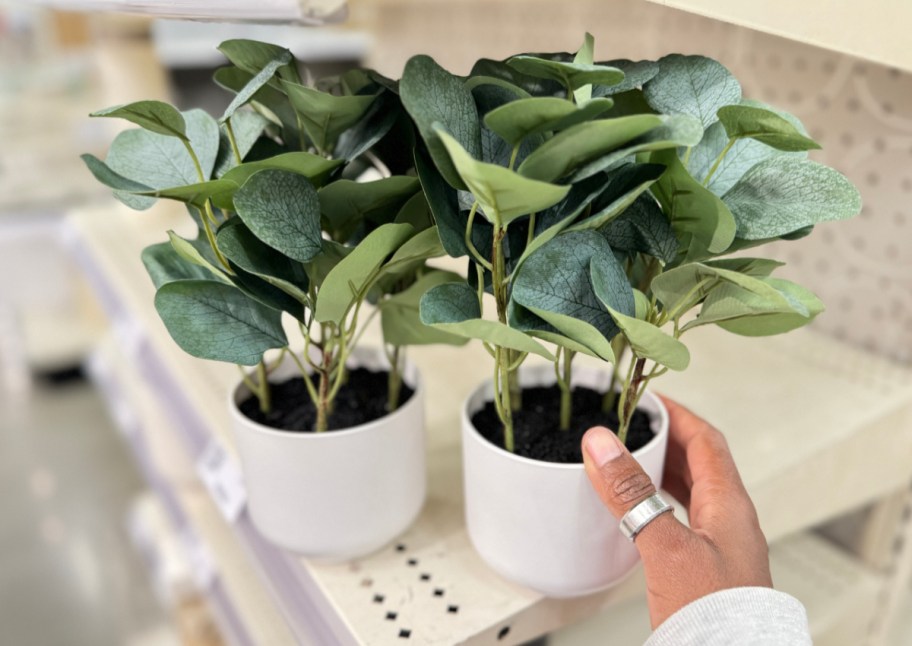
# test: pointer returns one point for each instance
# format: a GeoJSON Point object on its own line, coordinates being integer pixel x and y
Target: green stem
{"type": "Point", "coordinates": [394, 383]}
{"type": "Point", "coordinates": [233, 141]}
{"type": "Point", "coordinates": [564, 382]}
{"type": "Point", "coordinates": [471, 245]}
{"type": "Point", "coordinates": [323, 399]}
{"type": "Point", "coordinates": [715, 166]}
{"type": "Point", "coordinates": [508, 390]}
{"type": "Point", "coordinates": [630, 399]}
{"type": "Point", "coordinates": [619, 346]}
{"type": "Point", "coordinates": [513, 156]}
{"type": "Point", "coordinates": [264, 391]}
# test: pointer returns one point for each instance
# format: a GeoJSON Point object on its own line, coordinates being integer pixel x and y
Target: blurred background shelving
{"type": "Point", "coordinates": [836, 510]}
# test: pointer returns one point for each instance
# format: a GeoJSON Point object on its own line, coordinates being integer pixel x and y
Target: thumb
{"type": "Point", "coordinates": [616, 476]}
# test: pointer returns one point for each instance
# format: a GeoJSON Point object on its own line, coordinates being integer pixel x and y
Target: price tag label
{"type": "Point", "coordinates": [224, 480]}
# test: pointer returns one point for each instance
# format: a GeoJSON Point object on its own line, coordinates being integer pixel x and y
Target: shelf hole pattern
{"type": "Point", "coordinates": [860, 112]}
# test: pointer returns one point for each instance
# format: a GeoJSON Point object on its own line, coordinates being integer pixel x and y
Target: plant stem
{"type": "Point", "coordinates": [394, 383]}
{"type": "Point", "coordinates": [619, 346]}
{"type": "Point", "coordinates": [264, 391]}
{"type": "Point", "coordinates": [479, 259]}
{"type": "Point", "coordinates": [508, 385]}
{"type": "Point", "coordinates": [564, 382]}
{"type": "Point", "coordinates": [630, 399]}
{"type": "Point", "coordinates": [234, 147]}
{"type": "Point", "coordinates": [715, 166]}
{"type": "Point", "coordinates": [323, 400]}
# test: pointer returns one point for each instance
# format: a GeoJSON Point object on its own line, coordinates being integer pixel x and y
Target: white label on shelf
{"type": "Point", "coordinates": [222, 477]}
{"type": "Point", "coordinates": [202, 569]}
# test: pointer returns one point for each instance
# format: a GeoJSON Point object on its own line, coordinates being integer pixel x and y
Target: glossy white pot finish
{"type": "Point", "coordinates": [340, 494]}
{"type": "Point", "coordinates": [541, 524]}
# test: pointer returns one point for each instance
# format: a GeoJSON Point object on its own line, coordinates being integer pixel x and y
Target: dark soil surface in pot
{"type": "Point", "coordinates": [359, 401]}
{"type": "Point", "coordinates": [536, 428]}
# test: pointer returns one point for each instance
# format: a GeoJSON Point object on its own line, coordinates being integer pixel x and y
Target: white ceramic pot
{"type": "Point", "coordinates": [340, 494]}
{"type": "Point", "coordinates": [541, 524]}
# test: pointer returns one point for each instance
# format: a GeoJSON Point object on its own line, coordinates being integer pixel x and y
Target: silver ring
{"type": "Point", "coordinates": [642, 514]}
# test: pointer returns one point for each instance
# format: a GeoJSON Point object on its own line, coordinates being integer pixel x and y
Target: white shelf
{"type": "Point", "coordinates": [823, 434]}
{"type": "Point", "coordinates": [308, 12]}
{"type": "Point", "coordinates": [187, 44]}
{"type": "Point", "coordinates": [875, 30]}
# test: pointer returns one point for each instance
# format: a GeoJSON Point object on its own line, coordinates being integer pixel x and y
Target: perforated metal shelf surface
{"type": "Point", "coordinates": [823, 426]}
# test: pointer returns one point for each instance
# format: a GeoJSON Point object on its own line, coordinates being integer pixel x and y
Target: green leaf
{"type": "Point", "coordinates": [485, 69]}
{"type": "Point", "coordinates": [686, 285]}
{"type": "Point", "coordinates": [399, 314]}
{"type": "Point", "coordinates": [757, 267]}
{"type": "Point", "coordinates": [108, 177]}
{"type": "Point", "coordinates": [577, 146]}
{"type": "Point", "coordinates": [503, 194]}
{"type": "Point", "coordinates": [742, 155]}
{"type": "Point", "coordinates": [642, 228]}
{"type": "Point", "coordinates": [444, 206]}
{"type": "Point", "coordinates": [649, 342]}
{"type": "Point", "coordinates": [642, 304]}
{"type": "Point", "coordinates": [345, 204]}
{"type": "Point", "coordinates": [625, 185]}
{"type": "Point", "coordinates": [778, 323]}
{"type": "Point", "coordinates": [218, 190]}
{"type": "Point", "coordinates": [261, 78]}
{"type": "Point", "coordinates": [350, 279]}
{"type": "Point", "coordinates": [192, 252]}
{"type": "Point", "coordinates": [693, 85]}
{"type": "Point", "coordinates": [165, 265]}
{"type": "Point", "coordinates": [526, 321]}
{"type": "Point", "coordinates": [727, 301]}
{"type": "Point", "coordinates": [784, 194]}
{"type": "Point", "coordinates": [453, 307]}
{"type": "Point", "coordinates": [585, 56]}
{"type": "Point", "coordinates": [267, 101]}
{"type": "Point", "coordinates": [431, 95]}
{"type": "Point", "coordinates": [571, 75]}
{"type": "Point", "coordinates": [556, 278]}
{"type": "Point", "coordinates": [370, 129]}
{"type": "Point", "coordinates": [212, 320]}
{"type": "Point", "coordinates": [154, 116]}
{"type": "Point", "coordinates": [282, 209]}
{"type": "Point", "coordinates": [238, 244]}
{"type": "Point", "coordinates": [325, 116]}
{"type": "Point", "coordinates": [159, 161]}
{"type": "Point", "coordinates": [315, 168]}
{"type": "Point", "coordinates": [765, 126]}
{"type": "Point", "coordinates": [636, 75]}
{"type": "Point", "coordinates": [675, 131]}
{"type": "Point", "coordinates": [253, 56]}
{"type": "Point", "coordinates": [414, 252]}
{"type": "Point", "coordinates": [417, 212]}
{"type": "Point", "coordinates": [518, 119]}
{"type": "Point", "coordinates": [702, 222]}
{"type": "Point", "coordinates": [333, 253]}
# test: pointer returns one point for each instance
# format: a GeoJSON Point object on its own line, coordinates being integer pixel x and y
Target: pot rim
{"type": "Point", "coordinates": [356, 359]}
{"type": "Point", "coordinates": [478, 437]}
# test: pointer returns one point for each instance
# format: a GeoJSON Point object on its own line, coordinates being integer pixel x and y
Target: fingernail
{"type": "Point", "coordinates": [602, 445]}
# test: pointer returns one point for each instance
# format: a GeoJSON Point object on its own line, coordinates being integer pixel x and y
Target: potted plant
{"type": "Point", "coordinates": [329, 433]}
{"type": "Point", "coordinates": [599, 205]}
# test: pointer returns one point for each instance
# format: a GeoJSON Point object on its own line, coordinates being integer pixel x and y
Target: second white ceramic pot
{"type": "Point", "coordinates": [541, 524]}
{"type": "Point", "coordinates": [339, 494]}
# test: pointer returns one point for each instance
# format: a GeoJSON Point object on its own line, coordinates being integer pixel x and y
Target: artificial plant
{"type": "Point", "coordinates": [285, 230]}
{"type": "Point", "coordinates": [599, 205]}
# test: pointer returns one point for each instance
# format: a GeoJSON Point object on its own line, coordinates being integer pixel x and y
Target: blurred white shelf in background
{"type": "Point", "coordinates": [311, 12]}
{"type": "Point", "coordinates": [877, 31]}
{"type": "Point", "coordinates": [183, 44]}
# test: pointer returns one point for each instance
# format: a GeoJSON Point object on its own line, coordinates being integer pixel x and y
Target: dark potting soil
{"type": "Point", "coordinates": [360, 400]}
{"type": "Point", "coordinates": [536, 427]}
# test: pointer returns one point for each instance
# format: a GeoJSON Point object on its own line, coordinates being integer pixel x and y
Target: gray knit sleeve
{"type": "Point", "coordinates": [737, 617]}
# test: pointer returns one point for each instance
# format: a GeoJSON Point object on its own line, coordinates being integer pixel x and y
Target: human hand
{"type": "Point", "coordinates": [724, 546]}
